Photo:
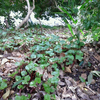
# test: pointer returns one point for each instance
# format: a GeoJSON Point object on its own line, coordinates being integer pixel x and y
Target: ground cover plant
{"type": "Point", "coordinates": [51, 63]}
{"type": "Point", "coordinates": [40, 71]}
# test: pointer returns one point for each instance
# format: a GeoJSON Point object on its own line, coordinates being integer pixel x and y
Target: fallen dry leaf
{"type": "Point", "coordinates": [84, 76]}
{"type": "Point", "coordinates": [6, 94]}
{"type": "Point", "coordinates": [50, 76]}
{"type": "Point", "coordinates": [15, 58]}
{"type": "Point", "coordinates": [6, 71]}
{"type": "Point", "coordinates": [68, 82]}
{"type": "Point", "coordinates": [81, 85]}
{"type": "Point", "coordinates": [49, 69]}
{"type": "Point", "coordinates": [57, 98]}
{"type": "Point", "coordinates": [2, 66]}
{"type": "Point", "coordinates": [67, 93]}
{"type": "Point", "coordinates": [59, 90]}
{"type": "Point", "coordinates": [68, 69]}
{"type": "Point", "coordinates": [4, 60]}
{"type": "Point", "coordinates": [61, 83]}
{"type": "Point", "coordinates": [18, 54]}
{"type": "Point", "coordinates": [8, 64]}
{"type": "Point", "coordinates": [12, 92]}
{"type": "Point", "coordinates": [1, 56]}
{"type": "Point", "coordinates": [87, 91]}
{"type": "Point", "coordinates": [39, 70]}
{"type": "Point", "coordinates": [82, 94]}
{"type": "Point", "coordinates": [45, 75]}
{"type": "Point", "coordinates": [85, 49]}
{"type": "Point", "coordinates": [7, 55]}
{"type": "Point", "coordinates": [62, 54]}
{"type": "Point", "coordinates": [93, 81]}
{"type": "Point", "coordinates": [97, 57]}
{"type": "Point", "coordinates": [74, 97]}
{"type": "Point", "coordinates": [61, 73]}
{"type": "Point", "coordinates": [72, 81]}
{"type": "Point", "coordinates": [72, 88]}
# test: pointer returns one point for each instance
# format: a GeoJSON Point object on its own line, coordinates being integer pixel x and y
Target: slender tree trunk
{"type": "Point", "coordinates": [6, 23]}
{"type": "Point", "coordinates": [28, 14]}
{"type": "Point", "coordinates": [40, 26]}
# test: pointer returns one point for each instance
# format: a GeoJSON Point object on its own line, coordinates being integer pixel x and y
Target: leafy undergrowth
{"type": "Point", "coordinates": [40, 66]}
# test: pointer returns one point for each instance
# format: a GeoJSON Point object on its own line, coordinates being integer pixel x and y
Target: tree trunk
{"type": "Point", "coordinates": [28, 14]}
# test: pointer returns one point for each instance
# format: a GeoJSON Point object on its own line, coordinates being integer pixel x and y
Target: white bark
{"type": "Point", "coordinates": [28, 14]}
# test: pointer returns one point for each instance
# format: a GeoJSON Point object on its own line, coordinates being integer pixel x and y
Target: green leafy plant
{"type": "Point", "coordinates": [90, 76]}
{"type": "Point", "coordinates": [25, 77]}
{"type": "Point", "coordinates": [47, 97]}
{"type": "Point", "coordinates": [96, 34]}
{"type": "Point", "coordinates": [74, 52]}
{"type": "Point", "coordinates": [45, 53]}
{"type": "Point", "coordinates": [49, 52]}
{"type": "Point", "coordinates": [29, 77]}
{"type": "Point", "coordinates": [23, 97]}
{"type": "Point", "coordinates": [31, 67]}
{"type": "Point", "coordinates": [3, 83]}
{"type": "Point", "coordinates": [82, 79]}
{"type": "Point", "coordinates": [37, 80]}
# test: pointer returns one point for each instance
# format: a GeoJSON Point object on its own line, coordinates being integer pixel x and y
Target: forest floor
{"type": "Point", "coordinates": [72, 80]}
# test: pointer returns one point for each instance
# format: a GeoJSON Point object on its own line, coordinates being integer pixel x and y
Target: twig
{"type": "Point", "coordinates": [90, 89]}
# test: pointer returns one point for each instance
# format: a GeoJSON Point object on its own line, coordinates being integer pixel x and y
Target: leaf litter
{"type": "Point", "coordinates": [69, 86]}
